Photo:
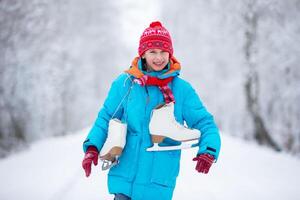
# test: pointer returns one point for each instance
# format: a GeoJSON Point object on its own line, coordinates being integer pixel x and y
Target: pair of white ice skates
{"type": "Point", "coordinates": [162, 125]}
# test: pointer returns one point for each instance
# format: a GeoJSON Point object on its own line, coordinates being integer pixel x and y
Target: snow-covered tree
{"type": "Point", "coordinates": [55, 59]}
{"type": "Point", "coordinates": [276, 59]}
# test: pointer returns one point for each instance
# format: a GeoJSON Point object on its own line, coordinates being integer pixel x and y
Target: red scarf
{"type": "Point", "coordinates": [162, 84]}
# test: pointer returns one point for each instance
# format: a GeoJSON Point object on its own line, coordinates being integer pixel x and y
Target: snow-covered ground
{"type": "Point", "coordinates": [51, 170]}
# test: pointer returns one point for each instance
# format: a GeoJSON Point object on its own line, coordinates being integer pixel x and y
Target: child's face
{"type": "Point", "coordinates": [156, 59]}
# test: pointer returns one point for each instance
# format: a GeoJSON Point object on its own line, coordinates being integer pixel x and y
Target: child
{"type": "Point", "coordinates": [153, 79]}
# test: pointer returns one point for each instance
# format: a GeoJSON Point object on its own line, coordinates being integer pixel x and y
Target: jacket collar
{"type": "Point", "coordinates": [173, 70]}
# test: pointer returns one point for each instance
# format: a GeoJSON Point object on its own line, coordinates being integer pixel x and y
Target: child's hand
{"type": "Point", "coordinates": [204, 162]}
{"type": "Point", "coordinates": [91, 155]}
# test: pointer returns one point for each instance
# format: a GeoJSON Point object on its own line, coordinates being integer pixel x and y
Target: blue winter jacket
{"type": "Point", "coordinates": [142, 174]}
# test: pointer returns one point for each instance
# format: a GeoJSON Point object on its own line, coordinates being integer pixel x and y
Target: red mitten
{"type": "Point", "coordinates": [90, 156]}
{"type": "Point", "coordinates": [204, 162]}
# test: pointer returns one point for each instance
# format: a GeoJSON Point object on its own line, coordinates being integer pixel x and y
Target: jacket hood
{"type": "Point", "coordinates": [173, 70]}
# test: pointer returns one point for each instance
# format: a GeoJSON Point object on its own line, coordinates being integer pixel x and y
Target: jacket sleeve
{"type": "Point", "coordinates": [98, 133]}
{"type": "Point", "coordinates": [197, 117]}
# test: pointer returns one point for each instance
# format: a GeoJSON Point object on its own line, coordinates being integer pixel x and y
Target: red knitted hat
{"type": "Point", "coordinates": [155, 37]}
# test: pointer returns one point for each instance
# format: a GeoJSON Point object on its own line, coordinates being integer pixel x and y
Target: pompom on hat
{"type": "Point", "coordinates": [155, 37]}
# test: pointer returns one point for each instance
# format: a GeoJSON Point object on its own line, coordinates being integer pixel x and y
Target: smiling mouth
{"type": "Point", "coordinates": [158, 64]}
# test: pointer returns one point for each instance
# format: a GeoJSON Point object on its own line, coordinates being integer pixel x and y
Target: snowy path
{"type": "Point", "coordinates": [51, 169]}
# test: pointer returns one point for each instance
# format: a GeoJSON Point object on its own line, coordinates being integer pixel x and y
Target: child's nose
{"type": "Point", "coordinates": [159, 56]}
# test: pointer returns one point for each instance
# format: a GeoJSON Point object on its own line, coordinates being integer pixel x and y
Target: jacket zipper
{"type": "Point", "coordinates": [141, 137]}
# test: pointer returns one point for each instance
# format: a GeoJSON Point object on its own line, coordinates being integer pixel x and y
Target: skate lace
{"type": "Point", "coordinates": [124, 97]}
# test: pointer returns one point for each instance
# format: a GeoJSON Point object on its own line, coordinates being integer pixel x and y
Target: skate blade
{"type": "Point", "coordinates": [107, 164]}
{"type": "Point", "coordinates": [183, 145]}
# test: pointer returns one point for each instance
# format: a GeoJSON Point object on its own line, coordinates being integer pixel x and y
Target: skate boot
{"type": "Point", "coordinates": [164, 126]}
{"type": "Point", "coordinates": [114, 144]}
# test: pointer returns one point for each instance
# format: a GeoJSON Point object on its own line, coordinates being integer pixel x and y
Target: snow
{"type": "Point", "coordinates": [51, 169]}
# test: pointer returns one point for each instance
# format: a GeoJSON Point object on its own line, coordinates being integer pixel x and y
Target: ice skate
{"type": "Point", "coordinates": [163, 125]}
{"type": "Point", "coordinates": [114, 144]}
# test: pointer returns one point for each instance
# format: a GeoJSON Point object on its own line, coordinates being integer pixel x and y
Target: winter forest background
{"type": "Point", "coordinates": [57, 60]}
